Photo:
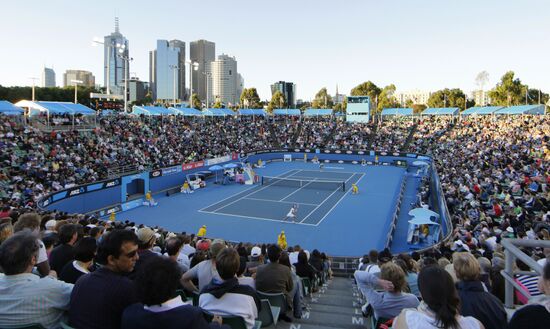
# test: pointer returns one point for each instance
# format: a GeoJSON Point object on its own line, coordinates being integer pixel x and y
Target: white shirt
{"type": "Point", "coordinates": [419, 320]}
{"type": "Point", "coordinates": [187, 250]}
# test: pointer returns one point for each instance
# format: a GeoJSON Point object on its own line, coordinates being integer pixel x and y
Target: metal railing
{"type": "Point", "coordinates": [511, 253]}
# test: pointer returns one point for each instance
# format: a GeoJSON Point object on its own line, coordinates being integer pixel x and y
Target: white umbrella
{"type": "Point", "coordinates": [419, 163]}
{"type": "Point", "coordinates": [423, 213]}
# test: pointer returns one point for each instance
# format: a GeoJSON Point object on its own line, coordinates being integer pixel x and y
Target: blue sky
{"type": "Point", "coordinates": [423, 44]}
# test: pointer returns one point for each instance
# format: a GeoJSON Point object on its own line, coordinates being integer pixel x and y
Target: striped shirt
{"type": "Point", "coordinates": [531, 283]}
{"type": "Point", "coordinates": [26, 299]}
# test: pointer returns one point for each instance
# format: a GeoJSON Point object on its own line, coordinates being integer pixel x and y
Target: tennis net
{"type": "Point", "coordinates": [303, 183]}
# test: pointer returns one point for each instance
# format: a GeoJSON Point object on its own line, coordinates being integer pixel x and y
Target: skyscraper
{"type": "Point", "coordinates": [115, 47]}
{"type": "Point", "coordinates": [224, 80]}
{"type": "Point", "coordinates": [166, 61]}
{"type": "Point", "coordinates": [87, 78]}
{"type": "Point", "coordinates": [48, 77]}
{"type": "Point", "coordinates": [180, 46]}
{"type": "Point", "coordinates": [202, 52]}
{"type": "Point", "coordinates": [288, 89]}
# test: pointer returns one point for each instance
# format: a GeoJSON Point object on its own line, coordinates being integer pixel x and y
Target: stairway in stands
{"type": "Point", "coordinates": [336, 305]}
{"type": "Point", "coordinates": [296, 134]}
{"type": "Point", "coordinates": [409, 139]}
{"type": "Point", "coordinates": [274, 138]}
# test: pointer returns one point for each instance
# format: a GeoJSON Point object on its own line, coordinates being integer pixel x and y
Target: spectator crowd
{"type": "Point", "coordinates": [57, 267]}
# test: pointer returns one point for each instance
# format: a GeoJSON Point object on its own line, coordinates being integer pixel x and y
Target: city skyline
{"type": "Point", "coordinates": [426, 45]}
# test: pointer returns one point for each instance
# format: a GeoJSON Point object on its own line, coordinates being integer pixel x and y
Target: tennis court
{"type": "Point", "coordinates": [315, 192]}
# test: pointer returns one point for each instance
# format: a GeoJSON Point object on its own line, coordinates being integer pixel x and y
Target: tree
{"type": "Point", "coordinates": [448, 98]}
{"type": "Point", "coordinates": [508, 91]}
{"type": "Point", "coordinates": [481, 79]}
{"type": "Point", "coordinates": [218, 104]}
{"type": "Point", "coordinates": [366, 88]}
{"type": "Point", "coordinates": [409, 103]}
{"type": "Point", "coordinates": [195, 102]}
{"type": "Point", "coordinates": [277, 101]}
{"type": "Point", "coordinates": [322, 100]}
{"type": "Point", "coordinates": [418, 108]}
{"type": "Point", "coordinates": [386, 98]}
{"type": "Point", "coordinates": [250, 99]}
{"type": "Point", "coordinates": [341, 107]}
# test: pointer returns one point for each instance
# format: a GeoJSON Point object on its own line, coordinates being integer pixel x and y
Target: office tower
{"type": "Point", "coordinates": [48, 77]}
{"type": "Point", "coordinates": [202, 52]}
{"type": "Point", "coordinates": [223, 81]}
{"type": "Point", "coordinates": [87, 78]}
{"type": "Point", "coordinates": [289, 91]}
{"type": "Point", "coordinates": [167, 70]}
{"type": "Point", "coordinates": [115, 49]}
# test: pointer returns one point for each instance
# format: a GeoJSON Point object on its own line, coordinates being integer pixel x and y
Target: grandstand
{"type": "Point", "coordinates": [434, 192]}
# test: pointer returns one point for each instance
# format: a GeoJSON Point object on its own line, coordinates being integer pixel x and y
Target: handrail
{"type": "Point", "coordinates": [511, 252]}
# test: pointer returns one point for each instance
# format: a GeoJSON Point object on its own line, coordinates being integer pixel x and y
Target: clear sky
{"type": "Point", "coordinates": [415, 44]}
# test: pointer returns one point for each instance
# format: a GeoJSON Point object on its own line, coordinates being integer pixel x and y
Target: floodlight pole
{"type": "Point", "coordinates": [33, 85]}
{"type": "Point", "coordinates": [76, 82]}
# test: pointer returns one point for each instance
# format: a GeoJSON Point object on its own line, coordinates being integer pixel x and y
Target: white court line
{"type": "Point", "coordinates": [248, 189]}
{"type": "Point", "coordinates": [305, 204]}
{"type": "Point", "coordinates": [311, 212]}
{"type": "Point", "coordinates": [338, 172]}
{"type": "Point", "coordinates": [340, 168]}
{"type": "Point", "coordinates": [341, 198]}
{"type": "Point", "coordinates": [297, 190]}
{"type": "Point", "coordinates": [257, 218]}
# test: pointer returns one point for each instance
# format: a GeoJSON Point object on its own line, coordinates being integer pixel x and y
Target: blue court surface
{"type": "Point", "coordinates": [329, 218]}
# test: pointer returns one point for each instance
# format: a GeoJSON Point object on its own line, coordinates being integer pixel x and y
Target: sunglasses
{"type": "Point", "coordinates": [131, 254]}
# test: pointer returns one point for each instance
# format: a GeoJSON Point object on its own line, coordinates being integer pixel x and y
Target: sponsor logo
{"type": "Point", "coordinates": [111, 183]}
{"type": "Point", "coordinates": [46, 202]}
{"type": "Point", "coordinates": [337, 151]}
{"type": "Point", "coordinates": [296, 150]}
{"type": "Point", "coordinates": [396, 154]}
{"type": "Point", "coordinates": [360, 152]}
{"type": "Point", "coordinates": [171, 170]}
{"type": "Point", "coordinates": [349, 152]}
{"type": "Point", "coordinates": [383, 153]}
{"type": "Point", "coordinates": [340, 161]}
{"type": "Point", "coordinates": [327, 151]}
{"type": "Point", "coordinates": [308, 150]}
{"type": "Point", "coordinates": [354, 162]}
{"type": "Point", "coordinates": [76, 191]}
{"type": "Point", "coordinates": [327, 161]}
{"type": "Point", "coordinates": [192, 165]}
{"type": "Point", "coordinates": [156, 173]}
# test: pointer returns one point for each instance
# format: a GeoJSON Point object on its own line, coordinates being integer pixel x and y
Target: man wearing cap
{"type": "Point", "coordinates": [255, 260]}
{"type": "Point", "coordinates": [204, 271]}
{"type": "Point", "coordinates": [50, 227]}
{"type": "Point", "coordinates": [146, 240]}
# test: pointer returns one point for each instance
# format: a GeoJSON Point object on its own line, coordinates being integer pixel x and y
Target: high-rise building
{"type": "Point", "coordinates": [167, 70]}
{"type": "Point", "coordinates": [180, 46]}
{"type": "Point", "coordinates": [223, 81]}
{"type": "Point", "coordinates": [240, 87]}
{"type": "Point", "coordinates": [116, 47]}
{"type": "Point", "coordinates": [48, 77]}
{"type": "Point", "coordinates": [288, 89]}
{"type": "Point", "coordinates": [137, 90]}
{"type": "Point", "coordinates": [481, 97]}
{"type": "Point", "coordinates": [202, 52]}
{"type": "Point", "coordinates": [416, 96]}
{"type": "Point", "coordinates": [87, 78]}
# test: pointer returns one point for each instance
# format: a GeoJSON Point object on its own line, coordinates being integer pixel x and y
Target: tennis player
{"type": "Point", "coordinates": [292, 213]}
{"type": "Point", "coordinates": [321, 166]}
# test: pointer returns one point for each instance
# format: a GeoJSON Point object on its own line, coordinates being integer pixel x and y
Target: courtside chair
{"type": "Point", "coordinates": [27, 326]}
{"type": "Point", "coordinates": [275, 299]}
{"type": "Point", "coordinates": [64, 325]}
{"type": "Point", "coordinates": [306, 286]}
{"type": "Point", "coordinates": [235, 322]}
{"type": "Point", "coordinates": [268, 314]}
